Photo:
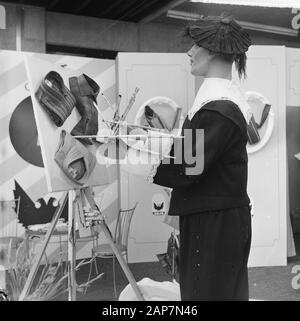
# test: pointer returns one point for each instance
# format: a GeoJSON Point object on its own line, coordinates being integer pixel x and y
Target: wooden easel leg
{"type": "Point", "coordinates": [100, 220]}
{"type": "Point", "coordinates": [71, 247]}
{"type": "Point", "coordinates": [122, 262]}
{"type": "Point", "coordinates": [38, 258]}
{"type": "Point", "coordinates": [2, 278]}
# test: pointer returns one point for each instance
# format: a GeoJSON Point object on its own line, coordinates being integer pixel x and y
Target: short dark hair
{"type": "Point", "coordinates": [240, 61]}
{"type": "Point", "coordinates": [240, 64]}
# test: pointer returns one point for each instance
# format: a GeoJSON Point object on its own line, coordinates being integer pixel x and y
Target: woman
{"type": "Point", "coordinates": [213, 205]}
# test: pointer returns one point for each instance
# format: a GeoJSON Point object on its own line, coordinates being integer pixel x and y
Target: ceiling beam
{"type": "Point", "coordinates": [245, 24]}
{"type": "Point", "coordinates": [83, 5]}
{"type": "Point", "coordinates": [144, 5]}
{"type": "Point", "coordinates": [256, 3]}
{"type": "Point", "coordinates": [108, 9]}
{"type": "Point", "coordinates": [162, 10]}
{"type": "Point", "coordinates": [52, 4]}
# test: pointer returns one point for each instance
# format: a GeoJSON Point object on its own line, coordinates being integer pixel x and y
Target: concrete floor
{"type": "Point", "coordinates": [274, 283]}
{"type": "Point", "coordinates": [265, 283]}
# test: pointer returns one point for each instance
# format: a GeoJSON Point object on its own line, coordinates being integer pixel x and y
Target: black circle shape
{"type": "Point", "coordinates": [23, 133]}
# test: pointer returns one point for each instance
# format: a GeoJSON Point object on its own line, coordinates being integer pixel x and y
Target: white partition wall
{"type": "Point", "coordinates": [169, 75]}
{"type": "Point", "coordinates": [267, 184]}
{"type": "Point", "coordinates": [155, 74]}
{"type": "Point", "coordinates": [293, 138]}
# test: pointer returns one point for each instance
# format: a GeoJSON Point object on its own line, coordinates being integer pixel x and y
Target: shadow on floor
{"type": "Point", "coordinates": [265, 283]}
{"type": "Point", "coordinates": [103, 290]}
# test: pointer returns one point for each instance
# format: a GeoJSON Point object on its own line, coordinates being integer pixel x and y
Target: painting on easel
{"type": "Point", "coordinates": [65, 105]}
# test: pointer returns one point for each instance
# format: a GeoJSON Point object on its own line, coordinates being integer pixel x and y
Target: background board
{"type": "Point", "coordinates": [156, 74]}
{"type": "Point", "coordinates": [49, 133]}
{"type": "Point", "coordinates": [169, 75]}
{"type": "Point", "coordinates": [267, 169]}
{"type": "Point", "coordinates": [21, 166]}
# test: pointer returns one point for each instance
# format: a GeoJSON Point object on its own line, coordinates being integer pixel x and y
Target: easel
{"type": "Point", "coordinates": [76, 198]}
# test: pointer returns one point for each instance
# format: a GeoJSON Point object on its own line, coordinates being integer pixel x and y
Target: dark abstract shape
{"type": "Point", "coordinates": [29, 214]}
{"type": "Point", "coordinates": [253, 126]}
{"type": "Point", "coordinates": [3, 295]}
{"type": "Point", "coordinates": [170, 259]}
{"type": "Point", "coordinates": [23, 133]}
{"type": "Point", "coordinates": [153, 119]}
{"type": "Point", "coordinates": [158, 207]}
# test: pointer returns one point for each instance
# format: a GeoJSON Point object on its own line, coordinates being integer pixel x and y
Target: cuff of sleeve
{"type": "Point", "coordinates": [152, 173]}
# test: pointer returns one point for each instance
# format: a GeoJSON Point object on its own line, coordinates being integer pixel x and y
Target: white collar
{"type": "Point", "coordinates": [220, 89]}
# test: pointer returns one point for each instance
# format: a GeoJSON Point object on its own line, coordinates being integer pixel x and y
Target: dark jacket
{"type": "Point", "coordinates": [222, 182]}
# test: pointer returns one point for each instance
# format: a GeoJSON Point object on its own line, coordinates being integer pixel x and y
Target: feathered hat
{"type": "Point", "coordinates": [221, 34]}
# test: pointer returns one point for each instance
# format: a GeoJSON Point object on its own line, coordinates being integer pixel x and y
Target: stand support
{"type": "Point", "coordinates": [38, 258]}
{"type": "Point", "coordinates": [75, 198]}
